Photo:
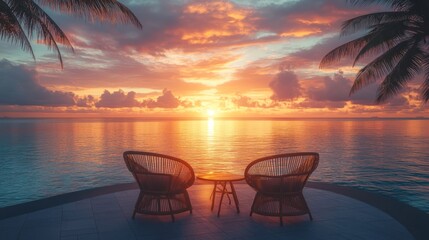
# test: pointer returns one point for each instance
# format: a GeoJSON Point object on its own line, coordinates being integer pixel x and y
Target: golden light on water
{"type": "Point", "coordinates": [210, 127]}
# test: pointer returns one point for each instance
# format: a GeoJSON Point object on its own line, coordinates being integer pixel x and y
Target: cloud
{"type": "Point", "coordinates": [285, 86]}
{"type": "Point", "coordinates": [203, 50]}
{"type": "Point", "coordinates": [19, 86]}
{"type": "Point", "coordinates": [188, 25]}
{"type": "Point", "coordinates": [311, 57]}
{"type": "Point", "coordinates": [197, 25]}
{"type": "Point", "coordinates": [248, 102]}
{"type": "Point", "coordinates": [331, 89]}
{"type": "Point", "coordinates": [254, 77]}
{"type": "Point", "coordinates": [244, 101]}
{"type": "Point", "coordinates": [86, 101]}
{"type": "Point", "coordinates": [166, 100]}
{"type": "Point", "coordinates": [368, 94]}
{"type": "Point", "coordinates": [308, 104]}
{"type": "Point", "coordinates": [117, 99]}
{"type": "Point", "coordinates": [120, 99]}
{"type": "Point", "coordinates": [334, 93]}
{"type": "Point", "coordinates": [306, 17]}
{"type": "Point", "coordinates": [174, 31]}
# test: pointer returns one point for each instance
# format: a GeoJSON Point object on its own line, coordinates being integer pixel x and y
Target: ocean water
{"type": "Point", "coordinates": [46, 157]}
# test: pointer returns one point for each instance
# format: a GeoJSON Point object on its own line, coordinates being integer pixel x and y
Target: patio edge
{"type": "Point", "coordinates": [413, 219]}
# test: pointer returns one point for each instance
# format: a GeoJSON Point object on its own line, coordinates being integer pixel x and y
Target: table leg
{"type": "Point", "coordinates": [222, 183]}
{"type": "Point", "coordinates": [214, 194]}
{"type": "Point", "coordinates": [221, 197]}
{"type": "Point", "coordinates": [234, 194]}
{"type": "Point", "coordinates": [215, 190]}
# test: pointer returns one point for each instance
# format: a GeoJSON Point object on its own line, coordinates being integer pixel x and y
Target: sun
{"type": "Point", "coordinates": [211, 113]}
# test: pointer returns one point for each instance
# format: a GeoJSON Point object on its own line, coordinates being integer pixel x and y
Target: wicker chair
{"type": "Point", "coordinates": [163, 181]}
{"type": "Point", "coordinates": [278, 181]}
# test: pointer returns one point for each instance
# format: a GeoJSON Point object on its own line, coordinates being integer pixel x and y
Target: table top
{"type": "Point", "coordinates": [220, 177]}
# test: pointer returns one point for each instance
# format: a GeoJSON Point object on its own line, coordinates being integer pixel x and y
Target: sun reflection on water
{"type": "Point", "coordinates": [210, 127]}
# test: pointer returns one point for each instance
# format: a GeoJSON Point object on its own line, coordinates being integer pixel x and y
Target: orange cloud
{"type": "Point", "coordinates": [301, 33]}
{"type": "Point", "coordinates": [213, 22]}
{"type": "Point", "coordinates": [210, 72]}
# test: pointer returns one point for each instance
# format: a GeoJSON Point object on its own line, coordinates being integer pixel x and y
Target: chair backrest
{"type": "Point", "coordinates": [159, 172]}
{"type": "Point", "coordinates": [281, 173]}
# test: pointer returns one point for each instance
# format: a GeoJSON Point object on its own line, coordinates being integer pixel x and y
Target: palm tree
{"type": "Point", "coordinates": [398, 38]}
{"type": "Point", "coordinates": [21, 20]}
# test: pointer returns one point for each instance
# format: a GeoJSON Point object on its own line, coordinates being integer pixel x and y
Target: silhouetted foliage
{"type": "Point", "coordinates": [21, 20]}
{"type": "Point", "coordinates": [399, 38]}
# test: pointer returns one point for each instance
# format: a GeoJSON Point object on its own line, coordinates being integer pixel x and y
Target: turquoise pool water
{"type": "Point", "coordinates": [46, 157]}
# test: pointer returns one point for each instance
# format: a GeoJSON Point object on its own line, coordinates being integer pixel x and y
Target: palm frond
{"type": "Point", "coordinates": [128, 15]}
{"type": "Point", "coordinates": [35, 20]}
{"type": "Point", "coordinates": [11, 30]}
{"type": "Point", "coordinates": [95, 10]}
{"type": "Point", "coordinates": [396, 4]}
{"type": "Point", "coordinates": [421, 6]}
{"type": "Point", "coordinates": [424, 88]}
{"type": "Point", "coordinates": [42, 18]}
{"type": "Point", "coordinates": [46, 34]}
{"type": "Point", "coordinates": [349, 49]}
{"type": "Point", "coordinates": [406, 68]}
{"type": "Point", "coordinates": [370, 20]}
{"type": "Point", "coordinates": [381, 66]}
{"type": "Point", "coordinates": [384, 36]}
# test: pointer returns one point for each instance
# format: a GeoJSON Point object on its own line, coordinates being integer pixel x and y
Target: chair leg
{"type": "Point", "coordinates": [171, 209]}
{"type": "Point", "coordinates": [139, 198]}
{"type": "Point", "coordinates": [188, 201]}
{"type": "Point", "coordinates": [306, 206]}
{"type": "Point", "coordinates": [253, 204]}
{"type": "Point", "coordinates": [281, 211]}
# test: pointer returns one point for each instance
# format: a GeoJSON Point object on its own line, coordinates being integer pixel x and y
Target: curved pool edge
{"type": "Point", "coordinates": [413, 219]}
{"type": "Point", "coordinates": [27, 207]}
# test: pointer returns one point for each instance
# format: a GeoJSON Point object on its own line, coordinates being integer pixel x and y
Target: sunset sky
{"type": "Point", "coordinates": [236, 58]}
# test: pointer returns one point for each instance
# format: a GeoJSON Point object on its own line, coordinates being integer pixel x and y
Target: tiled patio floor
{"type": "Point", "coordinates": [109, 217]}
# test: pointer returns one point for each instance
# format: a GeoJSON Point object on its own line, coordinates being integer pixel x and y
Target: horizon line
{"type": "Point", "coordinates": [218, 118]}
